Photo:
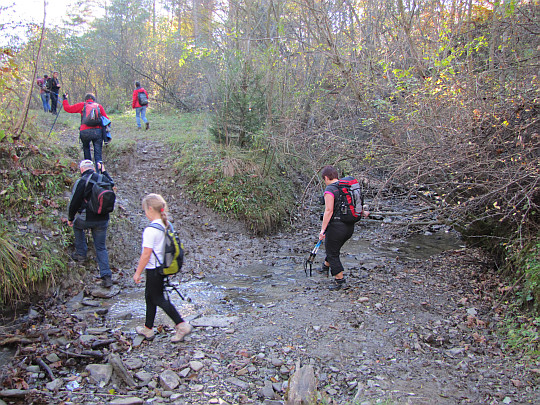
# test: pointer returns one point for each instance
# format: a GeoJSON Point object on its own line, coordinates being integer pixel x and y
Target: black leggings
{"type": "Point", "coordinates": [337, 233]}
{"type": "Point", "coordinates": [155, 296]}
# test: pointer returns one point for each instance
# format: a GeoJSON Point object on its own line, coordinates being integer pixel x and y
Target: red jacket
{"type": "Point", "coordinates": [135, 102]}
{"type": "Point", "coordinates": [78, 108]}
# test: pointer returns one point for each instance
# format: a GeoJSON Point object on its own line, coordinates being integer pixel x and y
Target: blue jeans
{"type": "Point", "coordinates": [45, 100]}
{"type": "Point", "coordinates": [140, 113]}
{"type": "Point", "coordinates": [94, 135]}
{"type": "Point", "coordinates": [99, 234]}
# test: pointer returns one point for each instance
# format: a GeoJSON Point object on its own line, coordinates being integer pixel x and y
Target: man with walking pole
{"type": "Point", "coordinates": [53, 85]}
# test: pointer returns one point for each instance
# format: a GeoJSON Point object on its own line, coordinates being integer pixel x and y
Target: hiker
{"type": "Point", "coordinates": [334, 232]}
{"type": "Point", "coordinates": [140, 102]}
{"type": "Point", "coordinates": [44, 93]}
{"type": "Point", "coordinates": [152, 255]}
{"type": "Point", "coordinates": [91, 128]}
{"type": "Point", "coordinates": [81, 218]}
{"type": "Point", "coordinates": [53, 86]}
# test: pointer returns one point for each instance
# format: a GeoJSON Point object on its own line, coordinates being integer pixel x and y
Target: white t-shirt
{"type": "Point", "coordinates": [154, 239]}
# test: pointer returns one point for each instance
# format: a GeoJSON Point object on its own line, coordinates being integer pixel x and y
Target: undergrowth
{"type": "Point", "coordinates": [32, 236]}
{"type": "Point", "coordinates": [237, 183]}
{"type": "Point", "coordinates": [522, 328]}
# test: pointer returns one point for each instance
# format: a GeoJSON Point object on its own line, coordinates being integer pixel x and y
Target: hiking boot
{"type": "Point", "coordinates": [144, 331]}
{"type": "Point", "coordinates": [77, 257]}
{"type": "Point", "coordinates": [324, 269]}
{"type": "Point", "coordinates": [147, 126]}
{"type": "Point", "coordinates": [107, 282]}
{"type": "Point", "coordinates": [182, 329]}
{"type": "Point", "coordinates": [337, 284]}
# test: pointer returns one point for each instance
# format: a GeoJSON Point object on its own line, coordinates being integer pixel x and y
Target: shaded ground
{"type": "Point", "coordinates": [406, 331]}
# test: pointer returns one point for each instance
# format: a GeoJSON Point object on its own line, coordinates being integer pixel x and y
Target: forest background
{"type": "Point", "coordinates": [436, 99]}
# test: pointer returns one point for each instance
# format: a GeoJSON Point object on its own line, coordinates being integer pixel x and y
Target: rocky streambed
{"type": "Point", "coordinates": [416, 324]}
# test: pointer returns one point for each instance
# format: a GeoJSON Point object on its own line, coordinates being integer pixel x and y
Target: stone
{"type": "Point", "coordinates": [185, 372]}
{"type": "Point", "coordinates": [214, 321]}
{"type": "Point", "coordinates": [133, 364]}
{"type": "Point", "coordinates": [198, 355]}
{"type": "Point", "coordinates": [55, 385]}
{"type": "Point", "coordinates": [52, 358]}
{"type": "Point", "coordinates": [196, 365]}
{"type": "Point", "coordinates": [302, 386]}
{"type": "Point", "coordinates": [127, 401]}
{"type": "Point", "coordinates": [276, 362]}
{"type": "Point", "coordinates": [138, 340]}
{"type": "Point", "coordinates": [99, 292]}
{"type": "Point", "coordinates": [239, 383]}
{"type": "Point", "coordinates": [87, 340]}
{"type": "Point", "coordinates": [169, 380]}
{"type": "Point", "coordinates": [33, 369]}
{"type": "Point", "coordinates": [144, 376]}
{"type": "Point", "coordinates": [100, 373]}
{"type": "Point", "coordinates": [267, 391]}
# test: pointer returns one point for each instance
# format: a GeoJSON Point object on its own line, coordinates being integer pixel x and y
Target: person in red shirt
{"type": "Point", "coordinates": [88, 132]}
{"type": "Point", "coordinates": [140, 102]}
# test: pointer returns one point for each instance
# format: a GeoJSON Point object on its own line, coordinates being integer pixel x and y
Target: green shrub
{"type": "Point", "coordinates": [232, 181]}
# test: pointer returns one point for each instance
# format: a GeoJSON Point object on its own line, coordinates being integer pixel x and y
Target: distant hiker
{"type": "Point", "coordinates": [91, 125]}
{"type": "Point", "coordinates": [44, 93]}
{"type": "Point", "coordinates": [81, 218]}
{"type": "Point", "coordinates": [334, 231]}
{"type": "Point", "coordinates": [152, 255]}
{"type": "Point", "coordinates": [140, 102]}
{"type": "Point", "coordinates": [53, 86]}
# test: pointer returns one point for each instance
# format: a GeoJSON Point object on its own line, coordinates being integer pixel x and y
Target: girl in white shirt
{"type": "Point", "coordinates": [155, 208]}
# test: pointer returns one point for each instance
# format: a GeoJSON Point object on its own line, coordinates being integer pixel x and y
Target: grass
{"type": "Point", "coordinates": [32, 237]}
{"type": "Point", "coordinates": [235, 182]}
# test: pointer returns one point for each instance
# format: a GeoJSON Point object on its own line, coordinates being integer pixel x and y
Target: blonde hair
{"type": "Point", "coordinates": [158, 204]}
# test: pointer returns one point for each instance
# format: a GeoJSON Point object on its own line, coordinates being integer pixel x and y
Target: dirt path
{"type": "Point", "coordinates": [405, 331]}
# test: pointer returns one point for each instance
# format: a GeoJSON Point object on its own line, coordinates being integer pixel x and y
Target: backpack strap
{"type": "Point", "coordinates": [157, 226]}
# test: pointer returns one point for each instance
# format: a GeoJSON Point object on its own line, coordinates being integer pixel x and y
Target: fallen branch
{"type": "Point", "coordinates": [45, 367]}
{"type": "Point", "coordinates": [15, 393]}
{"type": "Point", "coordinates": [18, 340]}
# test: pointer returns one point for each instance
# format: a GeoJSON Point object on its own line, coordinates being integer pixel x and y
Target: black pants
{"type": "Point", "coordinates": [155, 296]}
{"type": "Point", "coordinates": [54, 101]}
{"type": "Point", "coordinates": [337, 233]}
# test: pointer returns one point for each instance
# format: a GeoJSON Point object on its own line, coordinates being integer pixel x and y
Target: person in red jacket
{"type": "Point", "coordinates": [91, 127]}
{"type": "Point", "coordinates": [140, 102]}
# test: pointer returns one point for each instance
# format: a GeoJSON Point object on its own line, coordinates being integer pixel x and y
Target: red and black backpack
{"type": "Point", "coordinates": [350, 200]}
{"type": "Point", "coordinates": [91, 116]}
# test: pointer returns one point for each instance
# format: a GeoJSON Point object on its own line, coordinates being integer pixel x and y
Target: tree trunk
{"type": "Point", "coordinates": [19, 128]}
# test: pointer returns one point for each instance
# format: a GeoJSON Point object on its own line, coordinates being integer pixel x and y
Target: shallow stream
{"type": "Point", "coordinates": [262, 284]}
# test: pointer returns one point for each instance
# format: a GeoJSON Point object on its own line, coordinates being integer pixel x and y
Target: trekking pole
{"type": "Point", "coordinates": [309, 261]}
{"type": "Point", "coordinates": [168, 284]}
{"type": "Point", "coordinates": [55, 118]}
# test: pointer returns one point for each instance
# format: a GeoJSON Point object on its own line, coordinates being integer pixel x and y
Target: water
{"type": "Point", "coordinates": [261, 284]}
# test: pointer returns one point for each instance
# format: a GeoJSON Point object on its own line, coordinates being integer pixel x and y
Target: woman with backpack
{"type": "Point", "coordinates": [152, 256]}
{"type": "Point", "coordinates": [139, 103]}
{"type": "Point", "coordinates": [91, 129]}
{"type": "Point", "coordinates": [334, 232]}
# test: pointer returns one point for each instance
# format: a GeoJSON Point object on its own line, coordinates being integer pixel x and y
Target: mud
{"type": "Point", "coordinates": [415, 325]}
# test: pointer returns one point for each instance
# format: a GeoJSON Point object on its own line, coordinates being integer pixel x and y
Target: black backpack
{"type": "Point", "coordinates": [102, 197]}
{"type": "Point", "coordinates": [143, 99]}
{"type": "Point", "coordinates": [173, 252]}
{"type": "Point", "coordinates": [91, 116]}
{"type": "Point", "coordinates": [351, 200]}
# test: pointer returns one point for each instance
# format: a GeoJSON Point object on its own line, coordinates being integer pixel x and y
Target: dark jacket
{"type": "Point", "coordinates": [81, 194]}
